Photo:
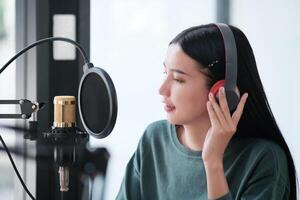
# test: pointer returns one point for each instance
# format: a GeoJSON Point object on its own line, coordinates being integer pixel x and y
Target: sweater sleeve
{"type": "Point", "coordinates": [269, 190]}
{"type": "Point", "coordinates": [268, 183]}
{"type": "Point", "coordinates": [264, 189]}
{"type": "Point", "coordinates": [130, 187]}
{"type": "Point", "coordinates": [270, 178]}
{"type": "Point", "coordinates": [264, 177]}
{"type": "Point", "coordinates": [261, 190]}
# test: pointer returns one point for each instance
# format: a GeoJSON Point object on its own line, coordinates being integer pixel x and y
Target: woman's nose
{"type": "Point", "coordinates": [164, 88]}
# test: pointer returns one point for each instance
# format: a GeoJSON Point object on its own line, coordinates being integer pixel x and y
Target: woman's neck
{"type": "Point", "coordinates": [193, 135]}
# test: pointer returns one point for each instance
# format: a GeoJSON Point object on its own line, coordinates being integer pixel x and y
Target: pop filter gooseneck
{"type": "Point", "coordinates": [81, 50]}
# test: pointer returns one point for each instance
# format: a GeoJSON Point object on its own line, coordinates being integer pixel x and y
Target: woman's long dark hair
{"type": "Point", "coordinates": [205, 45]}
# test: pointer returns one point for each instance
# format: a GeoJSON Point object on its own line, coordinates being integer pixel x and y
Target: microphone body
{"type": "Point", "coordinates": [65, 137]}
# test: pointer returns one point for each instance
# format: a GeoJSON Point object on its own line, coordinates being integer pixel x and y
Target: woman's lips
{"type": "Point", "coordinates": [169, 108]}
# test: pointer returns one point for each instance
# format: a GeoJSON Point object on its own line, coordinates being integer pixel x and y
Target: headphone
{"type": "Point", "coordinates": [229, 83]}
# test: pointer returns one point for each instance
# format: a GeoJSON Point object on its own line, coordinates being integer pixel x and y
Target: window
{"type": "Point", "coordinates": [7, 91]}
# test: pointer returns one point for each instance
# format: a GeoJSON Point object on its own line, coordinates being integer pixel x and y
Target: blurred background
{"type": "Point", "coordinates": [129, 40]}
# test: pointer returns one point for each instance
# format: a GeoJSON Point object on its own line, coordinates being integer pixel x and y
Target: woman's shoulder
{"type": "Point", "coordinates": [158, 125]}
{"type": "Point", "coordinates": [265, 147]}
{"type": "Point", "coordinates": [156, 135]}
{"type": "Point", "coordinates": [157, 131]}
{"type": "Point", "coordinates": [262, 152]}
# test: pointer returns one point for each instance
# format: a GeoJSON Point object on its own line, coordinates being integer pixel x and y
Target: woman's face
{"type": "Point", "coordinates": [184, 89]}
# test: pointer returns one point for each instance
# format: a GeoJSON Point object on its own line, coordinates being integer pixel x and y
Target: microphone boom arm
{"type": "Point", "coordinates": [27, 108]}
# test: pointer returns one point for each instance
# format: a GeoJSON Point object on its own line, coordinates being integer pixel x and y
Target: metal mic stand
{"type": "Point", "coordinates": [68, 143]}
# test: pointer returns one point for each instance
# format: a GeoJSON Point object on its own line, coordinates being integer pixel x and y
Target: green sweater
{"type": "Point", "coordinates": [162, 168]}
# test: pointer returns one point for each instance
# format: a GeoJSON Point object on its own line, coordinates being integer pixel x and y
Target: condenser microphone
{"type": "Point", "coordinates": [64, 118]}
{"type": "Point", "coordinates": [65, 137]}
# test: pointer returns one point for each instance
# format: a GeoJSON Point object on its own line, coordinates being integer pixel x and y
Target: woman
{"type": "Point", "coordinates": [203, 150]}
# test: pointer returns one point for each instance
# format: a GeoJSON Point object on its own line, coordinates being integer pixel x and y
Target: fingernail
{"type": "Point", "coordinates": [223, 89]}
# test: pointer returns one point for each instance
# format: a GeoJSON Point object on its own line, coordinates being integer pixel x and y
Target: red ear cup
{"type": "Point", "coordinates": [215, 88]}
{"type": "Point", "coordinates": [231, 96]}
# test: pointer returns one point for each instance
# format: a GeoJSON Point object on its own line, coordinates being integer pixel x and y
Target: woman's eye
{"type": "Point", "coordinates": [178, 80]}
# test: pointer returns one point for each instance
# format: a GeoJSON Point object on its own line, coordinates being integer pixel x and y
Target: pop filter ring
{"type": "Point", "coordinates": [112, 98]}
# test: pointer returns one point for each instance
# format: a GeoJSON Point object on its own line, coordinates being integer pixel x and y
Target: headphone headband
{"type": "Point", "coordinates": [230, 64]}
{"type": "Point", "coordinates": [230, 56]}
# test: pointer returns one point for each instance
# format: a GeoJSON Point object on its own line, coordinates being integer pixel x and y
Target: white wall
{"type": "Point", "coordinates": [272, 27]}
{"type": "Point", "coordinates": [129, 40]}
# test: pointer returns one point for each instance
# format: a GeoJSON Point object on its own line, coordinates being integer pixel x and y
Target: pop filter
{"type": "Point", "coordinates": [97, 101]}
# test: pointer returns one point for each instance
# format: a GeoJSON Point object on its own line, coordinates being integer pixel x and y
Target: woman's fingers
{"type": "Point", "coordinates": [239, 110]}
{"type": "Point", "coordinates": [212, 115]}
{"type": "Point", "coordinates": [224, 105]}
{"type": "Point", "coordinates": [218, 111]}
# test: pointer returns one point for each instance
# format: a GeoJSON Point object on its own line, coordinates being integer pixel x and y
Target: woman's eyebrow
{"type": "Point", "coordinates": [177, 70]}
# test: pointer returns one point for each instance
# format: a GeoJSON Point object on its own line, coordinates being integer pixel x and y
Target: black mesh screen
{"type": "Point", "coordinates": [94, 103]}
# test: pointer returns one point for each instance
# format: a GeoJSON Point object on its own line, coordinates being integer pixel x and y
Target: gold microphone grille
{"type": "Point", "coordinates": [64, 111]}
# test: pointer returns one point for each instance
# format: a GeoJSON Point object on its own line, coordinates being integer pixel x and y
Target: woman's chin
{"type": "Point", "coordinates": [173, 119]}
